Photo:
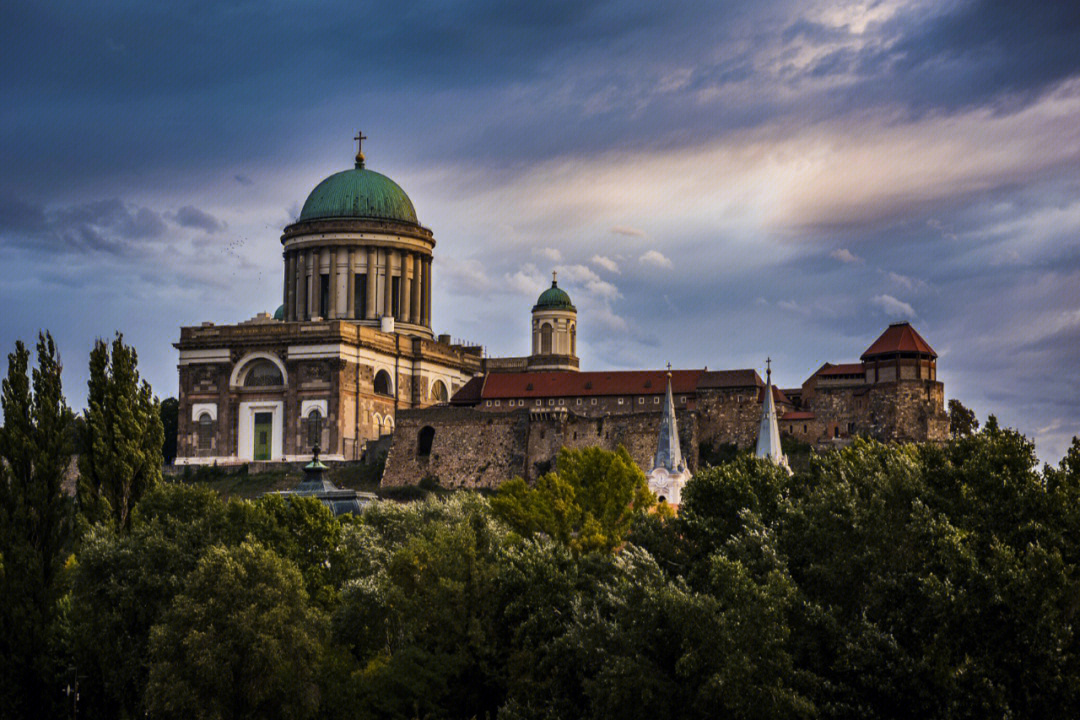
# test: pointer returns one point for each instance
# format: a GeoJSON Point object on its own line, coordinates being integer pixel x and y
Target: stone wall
{"type": "Point", "coordinates": [905, 411]}
{"type": "Point", "coordinates": [476, 449]}
{"type": "Point", "coordinates": [728, 416]}
{"type": "Point", "coordinates": [469, 449]}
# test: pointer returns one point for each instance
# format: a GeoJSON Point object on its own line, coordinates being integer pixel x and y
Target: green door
{"type": "Point", "coordinates": [264, 423]}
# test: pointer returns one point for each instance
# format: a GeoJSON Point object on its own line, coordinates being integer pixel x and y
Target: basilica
{"type": "Point", "coordinates": [350, 346]}
{"type": "Point", "coordinates": [349, 364]}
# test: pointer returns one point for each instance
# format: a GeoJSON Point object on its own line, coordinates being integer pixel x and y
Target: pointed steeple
{"type": "Point", "coordinates": [668, 454]}
{"type": "Point", "coordinates": [768, 442]}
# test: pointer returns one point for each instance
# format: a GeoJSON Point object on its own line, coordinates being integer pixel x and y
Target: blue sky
{"type": "Point", "coordinates": [715, 182]}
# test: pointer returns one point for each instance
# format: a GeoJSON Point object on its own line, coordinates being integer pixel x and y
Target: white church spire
{"type": "Point", "coordinates": [668, 453]}
{"type": "Point", "coordinates": [669, 472]}
{"type": "Point", "coordinates": [768, 442]}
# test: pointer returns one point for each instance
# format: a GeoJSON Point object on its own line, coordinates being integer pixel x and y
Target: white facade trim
{"type": "Point", "coordinates": [215, 355]}
{"type": "Point", "coordinates": [306, 406]}
{"type": "Point", "coordinates": [234, 378]}
{"type": "Point", "coordinates": [198, 409]}
{"type": "Point", "coordinates": [246, 428]}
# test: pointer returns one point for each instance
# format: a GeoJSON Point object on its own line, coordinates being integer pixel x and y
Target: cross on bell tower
{"type": "Point", "coordinates": [360, 138]}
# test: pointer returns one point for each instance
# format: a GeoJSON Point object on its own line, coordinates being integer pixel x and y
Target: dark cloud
{"type": "Point", "coordinates": [193, 217]}
{"type": "Point", "coordinates": [110, 226]}
{"type": "Point", "coordinates": [984, 51]}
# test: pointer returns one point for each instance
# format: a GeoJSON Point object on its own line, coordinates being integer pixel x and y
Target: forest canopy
{"type": "Point", "coordinates": [883, 581]}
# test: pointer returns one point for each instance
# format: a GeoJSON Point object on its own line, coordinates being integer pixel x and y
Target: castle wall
{"type": "Point", "coordinates": [908, 410]}
{"type": "Point", "coordinates": [728, 416]}
{"type": "Point", "coordinates": [476, 449]}
{"type": "Point", "coordinates": [469, 449]}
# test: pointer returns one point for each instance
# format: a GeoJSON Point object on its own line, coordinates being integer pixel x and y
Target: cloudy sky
{"type": "Point", "coordinates": [714, 182]}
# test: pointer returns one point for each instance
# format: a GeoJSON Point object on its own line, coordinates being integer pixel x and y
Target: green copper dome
{"type": "Point", "coordinates": [359, 193]}
{"type": "Point", "coordinates": [279, 314]}
{"type": "Point", "coordinates": [554, 298]}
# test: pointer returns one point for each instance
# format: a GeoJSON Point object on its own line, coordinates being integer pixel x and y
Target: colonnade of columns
{"type": "Point", "coordinates": [325, 282]}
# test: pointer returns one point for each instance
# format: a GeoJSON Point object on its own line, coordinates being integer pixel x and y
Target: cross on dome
{"type": "Point", "coordinates": [360, 138]}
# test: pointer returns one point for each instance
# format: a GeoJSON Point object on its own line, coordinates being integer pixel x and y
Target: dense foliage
{"type": "Point", "coordinates": [880, 582]}
{"type": "Point", "coordinates": [121, 458]}
{"type": "Point", "coordinates": [34, 527]}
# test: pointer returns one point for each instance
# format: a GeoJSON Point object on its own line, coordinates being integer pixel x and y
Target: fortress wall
{"type": "Point", "coordinates": [728, 416]}
{"type": "Point", "coordinates": [910, 411]}
{"type": "Point", "coordinates": [470, 448]}
{"type": "Point", "coordinates": [476, 449]}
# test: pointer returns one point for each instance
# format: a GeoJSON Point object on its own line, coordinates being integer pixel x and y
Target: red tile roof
{"type": "Point", "coordinates": [898, 337]}
{"type": "Point", "coordinates": [730, 378]}
{"type": "Point", "coordinates": [778, 395]}
{"type": "Point", "coordinates": [842, 369]}
{"type": "Point", "coordinates": [798, 415]}
{"type": "Point", "coordinates": [470, 392]}
{"type": "Point", "coordinates": [578, 384]}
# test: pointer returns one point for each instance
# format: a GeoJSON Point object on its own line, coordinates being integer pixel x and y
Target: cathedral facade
{"type": "Point", "coordinates": [350, 346]}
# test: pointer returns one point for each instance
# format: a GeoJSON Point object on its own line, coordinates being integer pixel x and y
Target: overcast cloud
{"type": "Point", "coordinates": [714, 182]}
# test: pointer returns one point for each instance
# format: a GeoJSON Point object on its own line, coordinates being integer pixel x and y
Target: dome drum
{"type": "Point", "coordinates": [358, 253]}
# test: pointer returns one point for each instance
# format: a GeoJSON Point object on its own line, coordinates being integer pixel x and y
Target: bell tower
{"type": "Point", "coordinates": [554, 330]}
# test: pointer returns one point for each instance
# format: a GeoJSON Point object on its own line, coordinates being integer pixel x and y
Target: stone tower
{"type": "Point", "coordinates": [554, 331]}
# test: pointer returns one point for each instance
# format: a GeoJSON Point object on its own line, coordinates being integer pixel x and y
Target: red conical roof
{"type": "Point", "coordinates": [898, 337]}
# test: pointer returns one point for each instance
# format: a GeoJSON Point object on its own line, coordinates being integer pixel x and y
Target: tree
{"type": "Point", "coordinates": [588, 503]}
{"type": "Point", "coordinates": [170, 409]}
{"type": "Point", "coordinates": [124, 436]}
{"type": "Point", "coordinates": [122, 584]}
{"type": "Point", "coordinates": [34, 525]}
{"type": "Point", "coordinates": [240, 641]}
{"type": "Point", "coordinates": [962, 421]}
{"type": "Point", "coordinates": [417, 615]}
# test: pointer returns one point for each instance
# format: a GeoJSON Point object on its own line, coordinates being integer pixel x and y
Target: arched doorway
{"type": "Point", "coordinates": [424, 439]}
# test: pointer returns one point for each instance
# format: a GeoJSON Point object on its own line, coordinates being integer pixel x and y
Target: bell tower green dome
{"type": "Point", "coordinates": [358, 193]}
{"type": "Point", "coordinates": [554, 298]}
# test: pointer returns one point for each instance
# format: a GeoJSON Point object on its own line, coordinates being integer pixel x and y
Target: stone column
{"type": "Point", "coordinates": [406, 288]}
{"type": "Point", "coordinates": [388, 289]}
{"type": "Point", "coordinates": [414, 314]}
{"type": "Point", "coordinates": [290, 285]}
{"type": "Point", "coordinates": [285, 285]}
{"type": "Point", "coordinates": [372, 276]}
{"type": "Point", "coordinates": [314, 271]}
{"type": "Point", "coordinates": [333, 304]}
{"type": "Point", "coordinates": [350, 285]}
{"type": "Point", "coordinates": [426, 319]}
{"type": "Point", "coordinates": [300, 300]}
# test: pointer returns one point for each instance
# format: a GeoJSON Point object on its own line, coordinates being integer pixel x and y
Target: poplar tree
{"type": "Point", "coordinates": [34, 524]}
{"type": "Point", "coordinates": [122, 457]}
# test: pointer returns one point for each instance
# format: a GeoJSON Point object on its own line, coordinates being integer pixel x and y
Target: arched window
{"type": "Point", "coordinates": [263, 373]}
{"type": "Point", "coordinates": [545, 339]}
{"type": "Point", "coordinates": [314, 427]}
{"type": "Point", "coordinates": [573, 339]}
{"type": "Point", "coordinates": [438, 392]}
{"type": "Point", "coordinates": [206, 431]}
{"type": "Point", "coordinates": [382, 383]}
{"type": "Point", "coordinates": [387, 426]}
{"type": "Point", "coordinates": [424, 438]}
